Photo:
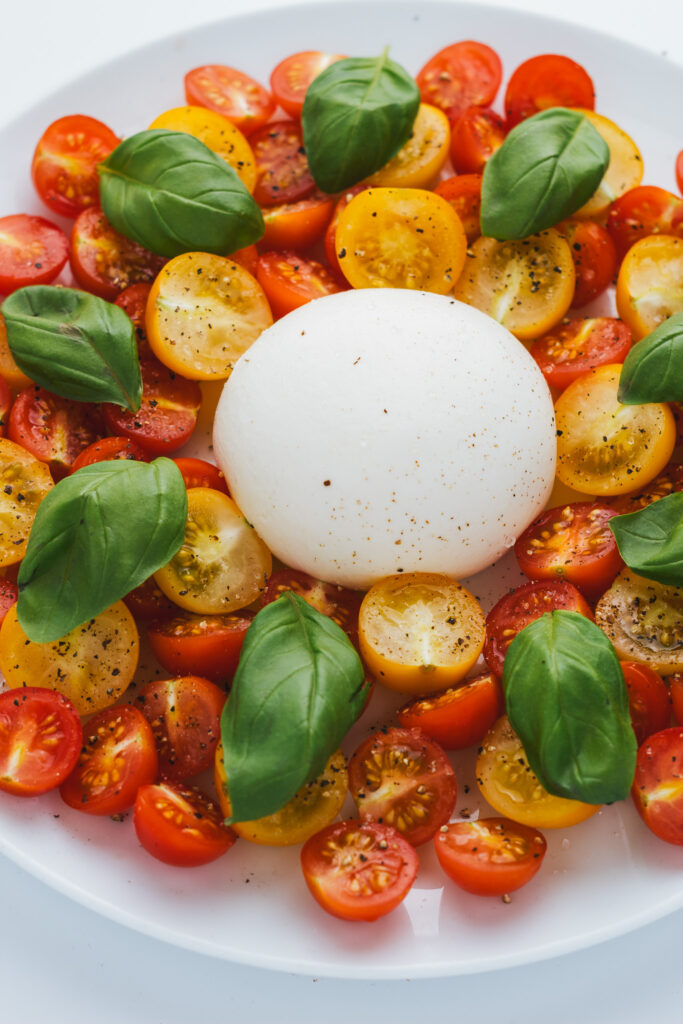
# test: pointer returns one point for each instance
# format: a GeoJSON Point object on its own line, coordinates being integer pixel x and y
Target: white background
{"type": "Point", "coordinates": [61, 962]}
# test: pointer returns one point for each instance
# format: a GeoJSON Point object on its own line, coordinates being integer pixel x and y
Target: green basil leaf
{"type": "Point", "coordinates": [653, 369]}
{"type": "Point", "coordinates": [98, 534]}
{"type": "Point", "coordinates": [298, 689]}
{"type": "Point", "coordinates": [357, 114]}
{"type": "Point", "coordinates": [546, 169]}
{"type": "Point", "coordinates": [651, 540]}
{"type": "Point", "coordinates": [567, 701]}
{"type": "Point", "coordinates": [172, 194]}
{"type": "Point", "coordinates": [74, 344]}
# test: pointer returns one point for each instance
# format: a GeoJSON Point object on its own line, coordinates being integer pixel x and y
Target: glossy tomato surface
{"type": "Point", "coordinates": [549, 80]}
{"type": "Point", "coordinates": [40, 740]}
{"type": "Point", "coordinates": [104, 261]}
{"type": "Point", "coordinates": [32, 251]}
{"type": "Point", "coordinates": [458, 717]}
{"type": "Point", "coordinates": [290, 79]}
{"type": "Point", "coordinates": [572, 349]}
{"type": "Point", "coordinates": [290, 281]}
{"type": "Point", "coordinates": [133, 301]}
{"type": "Point", "coordinates": [462, 75]}
{"type": "Point", "coordinates": [340, 603]}
{"type": "Point", "coordinates": [167, 416]}
{"type": "Point", "coordinates": [200, 473]}
{"type": "Point", "coordinates": [648, 699]}
{"type": "Point", "coordinates": [54, 429]}
{"type": "Point", "coordinates": [475, 137]}
{"type": "Point", "coordinates": [490, 856]}
{"type": "Point", "coordinates": [463, 192]}
{"type": "Point", "coordinates": [231, 93]}
{"type": "Point", "coordinates": [65, 163]}
{"type": "Point", "coordinates": [206, 645]}
{"type": "Point", "coordinates": [283, 172]}
{"type": "Point", "coordinates": [9, 592]}
{"type": "Point", "coordinates": [184, 713]}
{"type": "Point", "coordinates": [658, 784]}
{"type": "Point", "coordinates": [110, 449]}
{"type": "Point", "coordinates": [179, 825]}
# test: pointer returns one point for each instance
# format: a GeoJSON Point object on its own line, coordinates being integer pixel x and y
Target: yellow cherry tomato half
{"type": "Point", "coordinates": [604, 447]}
{"type": "Point", "coordinates": [223, 565]}
{"type": "Point", "coordinates": [401, 238]}
{"type": "Point", "coordinates": [526, 285]}
{"type": "Point", "coordinates": [624, 171]}
{"type": "Point", "coordinates": [202, 313]}
{"type": "Point", "coordinates": [650, 283]}
{"type": "Point", "coordinates": [92, 665]}
{"type": "Point", "coordinates": [216, 132]}
{"type": "Point", "coordinates": [513, 790]}
{"type": "Point", "coordinates": [418, 162]}
{"type": "Point", "coordinates": [420, 632]}
{"type": "Point", "coordinates": [24, 482]}
{"type": "Point", "coordinates": [644, 621]}
{"type": "Point", "coordinates": [311, 808]}
{"type": "Point", "coordinates": [15, 378]}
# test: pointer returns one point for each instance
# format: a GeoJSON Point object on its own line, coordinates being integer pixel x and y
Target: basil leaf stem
{"type": "Point", "coordinates": [653, 369]}
{"type": "Point", "coordinates": [651, 540]}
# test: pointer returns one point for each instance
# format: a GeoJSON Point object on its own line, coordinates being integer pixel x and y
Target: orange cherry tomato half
{"type": "Point", "coordinates": [341, 604]}
{"type": "Point", "coordinates": [642, 211]}
{"type": "Point", "coordinates": [573, 348]}
{"type": "Point", "coordinates": [64, 167]}
{"type": "Point", "coordinates": [402, 778]}
{"type": "Point", "coordinates": [200, 473]}
{"type": "Point", "coordinates": [118, 756]}
{"type": "Point", "coordinates": [658, 784]}
{"type": "Point", "coordinates": [463, 192]}
{"type": "Point", "coordinates": [15, 378]}
{"type": "Point", "coordinates": [648, 699]}
{"type": "Point", "coordinates": [110, 449]}
{"type": "Point", "coordinates": [358, 871]}
{"type": "Point", "coordinates": [40, 740]}
{"type": "Point", "coordinates": [524, 605]}
{"type": "Point", "coordinates": [167, 416]}
{"type": "Point", "coordinates": [133, 301]}
{"type": "Point", "coordinates": [459, 717]}
{"type": "Point", "coordinates": [595, 259]}
{"type": "Point", "coordinates": [54, 429]}
{"type": "Point", "coordinates": [296, 225]}
{"type": "Point", "coordinates": [291, 78]}
{"type": "Point", "coordinates": [549, 80]}
{"type": "Point", "coordinates": [283, 172]}
{"type": "Point", "coordinates": [230, 93]}
{"type": "Point", "coordinates": [179, 825]}
{"type": "Point", "coordinates": [206, 644]}
{"type": "Point", "coordinates": [32, 251]}
{"type": "Point", "coordinates": [464, 74]}
{"type": "Point", "coordinates": [103, 261]}
{"type": "Point", "coordinates": [290, 281]}
{"type": "Point", "coordinates": [9, 594]}
{"type": "Point", "coordinates": [490, 856]}
{"type": "Point", "coordinates": [185, 716]}
{"type": "Point", "coordinates": [475, 137]}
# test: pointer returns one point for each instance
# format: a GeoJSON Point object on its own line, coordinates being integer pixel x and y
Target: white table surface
{"type": "Point", "coordinates": [61, 962]}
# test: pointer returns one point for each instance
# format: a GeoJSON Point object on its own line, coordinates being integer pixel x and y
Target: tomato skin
{"type": "Point", "coordinates": [459, 717]}
{"type": "Point", "coordinates": [118, 757]}
{"type": "Point", "coordinates": [658, 784]}
{"type": "Point", "coordinates": [9, 594]}
{"type": "Point", "coordinates": [231, 93]}
{"type": "Point", "coordinates": [572, 542]}
{"type": "Point", "coordinates": [167, 416]}
{"type": "Point", "coordinates": [595, 259]}
{"type": "Point", "coordinates": [679, 171]}
{"type": "Point", "coordinates": [54, 429]}
{"type": "Point", "coordinates": [644, 210]}
{"type": "Point", "coordinates": [110, 449]}
{"type": "Point", "coordinates": [283, 172]}
{"type": "Point", "coordinates": [184, 714]}
{"type": "Point", "coordinates": [208, 645]}
{"type": "Point", "coordinates": [676, 690]}
{"type": "Point", "coordinates": [341, 604]}
{"type": "Point", "coordinates": [464, 74]}
{"type": "Point", "coordinates": [403, 778]}
{"type": "Point", "coordinates": [64, 167]}
{"type": "Point", "coordinates": [358, 871]}
{"type": "Point", "coordinates": [296, 225]}
{"type": "Point", "coordinates": [24, 482]}
{"type": "Point", "coordinates": [490, 856]}
{"type": "Point", "coordinates": [475, 137]}
{"type": "Point", "coordinates": [133, 301]}
{"type": "Point", "coordinates": [147, 602]}
{"type": "Point", "coordinates": [180, 826]}
{"type": "Point", "coordinates": [290, 281]}
{"type": "Point", "coordinates": [549, 80]}
{"type": "Point", "coordinates": [200, 473]}
{"type": "Point", "coordinates": [331, 233]}
{"type": "Point", "coordinates": [572, 349]}
{"type": "Point", "coordinates": [103, 261]}
{"type": "Point", "coordinates": [32, 251]}
{"type": "Point", "coordinates": [40, 740]}
{"type": "Point", "coordinates": [463, 192]}
{"type": "Point", "coordinates": [648, 698]}
{"type": "Point", "coordinates": [5, 403]}
{"type": "Point", "coordinates": [291, 78]}
{"type": "Point", "coordinates": [524, 605]}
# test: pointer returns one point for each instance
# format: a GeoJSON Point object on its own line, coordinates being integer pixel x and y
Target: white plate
{"type": "Point", "coordinates": [600, 879]}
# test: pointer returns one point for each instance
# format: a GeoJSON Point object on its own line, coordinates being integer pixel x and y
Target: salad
{"type": "Point", "coordinates": [100, 386]}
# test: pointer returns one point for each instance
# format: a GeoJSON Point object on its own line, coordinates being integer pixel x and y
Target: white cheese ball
{"type": "Point", "coordinates": [381, 431]}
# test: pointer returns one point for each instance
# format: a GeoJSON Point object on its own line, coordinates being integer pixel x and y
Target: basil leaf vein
{"type": "Point", "coordinates": [651, 540]}
{"type": "Point", "coordinates": [74, 344]}
{"type": "Point", "coordinates": [653, 369]}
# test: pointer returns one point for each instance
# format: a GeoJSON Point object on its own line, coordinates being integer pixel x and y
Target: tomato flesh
{"type": "Point", "coordinates": [65, 163]}
{"type": "Point", "coordinates": [32, 251]}
{"type": "Point", "coordinates": [644, 210]}
{"type": "Point", "coordinates": [184, 714]}
{"type": "Point", "coordinates": [459, 717]}
{"type": "Point", "coordinates": [9, 594]}
{"type": "Point", "coordinates": [110, 449]}
{"type": "Point", "coordinates": [648, 699]}
{"type": "Point", "coordinates": [290, 79]}
{"type": "Point", "coordinates": [341, 604]}
{"type": "Point", "coordinates": [490, 856]}
{"type": "Point", "coordinates": [290, 281]}
{"type": "Point", "coordinates": [475, 137]}
{"type": "Point", "coordinates": [658, 784]}
{"type": "Point", "coordinates": [208, 645]}
{"type": "Point", "coordinates": [549, 80]}
{"type": "Point", "coordinates": [40, 740]}
{"type": "Point", "coordinates": [54, 429]}
{"type": "Point", "coordinates": [231, 93]}
{"type": "Point", "coordinates": [283, 172]}
{"type": "Point", "coordinates": [595, 259]}
{"type": "Point", "coordinates": [180, 826]}
{"type": "Point", "coordinates": [463, 192]}
{"type": "Point", "coordinates": [464, 74]}
{"type": "Point", "coordinates": [296, 225]}
{"type": "Point", "coordinates": [167, 415]}
{"type": "Point", "coordinates": [147, 602]}
{"type": "Point", "coordinates": [133, 301]}
{"type": "Point", "coordinates": [572, 349]}
{"type": "Point", "coordinates": [104, 262]}
{"type": "Point", "coordinates": [200, 473]}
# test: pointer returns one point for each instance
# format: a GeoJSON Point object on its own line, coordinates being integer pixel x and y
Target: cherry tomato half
{"type": "Point", "coordinates": [342, 605]}
{"type": "Point", "coordinates": [54, 429]}
{"type": "Point", "coordinates": [462, 75]}
{"type": "Point", "coordinates": [65, 163]}
{"type": "Point", "coordinates": [105, 262]}
{"type": "Point", "coordinates": [24, 482]}
{"type": "Point", "coordinates": [658, 784]}
{"type": "Point", "coordinates": [549, 80]}
{"type": "Point", "coordinates": [572, 349]}
{"type": "Point", "coordinates": [290, 79]}
{"type": "Point", "coordinates": [200, 473]}
{"type": "Point", "coordinates": [40, 740]}
{"type": "Point", "coordinates": [296, 225]}
{"type": "Point", "coordinates": [110, 449]}
{"type": "Point", "coordinates": [32, 251]}
{"type": "Point", "coordinates": [184, 714]}
{"type": "Point", "coordinates": [648, 699]}
{"type": "Point", "coordinates": [230, 93]}
{"type": "Point", "coordinates": [463, 192]}
{"type": "Point", "coordinates": [642, 211]}
{"type": "Point", "coordinates": [644, 621]}
{"type": "Point", "coordinates": [595, 259]}
{"type": "Point", "coordinates": [648, 284]}
{"type": "Point", "coordinates": [676, 690]}
{"type": "Point", "coordinates": [358, 871]}
{"type": "Point", "coordinates": [133, 302]}
{"type": "Point", "coordinates": [207, 645]}
{"type": "Point", "coordinates": [167, 415]}
{"type": "Point", "coordinates": [283, 172]}
{"type": "Point", "coordinates": [459, 717]}
{"type": "Point", "coordinates": [290, 281]}
{"type": "Point", "coordinates": [490, 856]}
{"type": "Point", "coordinates": [179, 825]}
{"type": "Point", "coordinates": [147, 602]}
{"type": "Point", "coordinates": [669, 481]}
{"type": "Point", "coordinates": [475, 137]}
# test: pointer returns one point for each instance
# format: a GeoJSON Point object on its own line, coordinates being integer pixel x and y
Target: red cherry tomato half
{"type": "Point", "coordinates": [200, 473]}
{"type": "Point", "coordinates": [595, 259]}
{"type": "Point", "coordinates": [296, 225]}
{"type": "Point", "coordinates": [676, 690]}
{"type": "Point", "coordinates": [465, 74]}
{"type": "Point", "coordinates": [283, 172]}
{"type": "Point", "coordinates": [209, 645]}
{"type": "Point", "coordinates": [230, 93]}
{"type": "Point", "coordinates": [490, 856]}
{"type": "Point", "coordinates": [184, 714]}
{"type": "Point", "coordinates": [648, 699]}
{"type": "Point", "coordinates": [54, 429]}
{"type": "Point", "coordinates": [358, 871]}
{"type": "Point", "coordinates": [290, 281]}
{"type": "Point", "coordinates": [339, 603]}
{"type": "Point", "coordinates": [65, 163]}
{"type": "Point", "coordinates": [5, 403]}
{"type": "Point", "coordinates": [291, 78]}
{"type": "Point", "coordinates": [403, 778]}
{"type": "Point", "coordinates": [331, 233]}
{"type": "Point", "coordinates": [645, 210]}
{"type": "Point", "coordinates": [572, 542]}
{"type": "Point", "coordinates": [105, 262]}
{"type": "Point", "coordinates": [40, 740]}
{"type": "Point", "coordinates": [133, 301]}
{"type": "Point", "coordinates": [572, 349]}
{"type": "Point", "coordinates": [475, 137]}
{"type": "Point", "coordinates": [110, 449]}
{"type": "Point", "coordinates": [247, 258]}
{"type": "Point", "coordinates": [669, 481]}
{"type": "Point", "coordinates": [524, 605]}
{"type": "Point", "coordinates": [118, 756]}
{"type": "Point", "coordinates": [32, 251]}
{"type": "Point", "coordinates": [458, 717]}
{"type": "Point", "coordinates": [9, 593]}
{"type": "Point", "coordinates": [549, 80]}
{"type": "Point", "coordinates": [463, 192]}
{"type": "Point", "coordinates": [167, 416]}
{"type": "Point", "coordinates": [148, 602]}
{"type": "Point", "coordinates": [180, 826]}
{"type": "Point", "coordinates": [679, 171]}
{"type": "Point", "coordinates": [658, 784]}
